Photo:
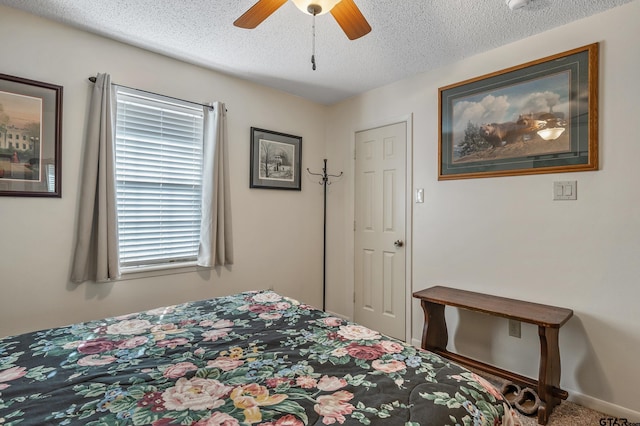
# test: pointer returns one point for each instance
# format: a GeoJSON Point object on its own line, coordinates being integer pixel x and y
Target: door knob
{"type": "Point", "coordinates": [398, 243]}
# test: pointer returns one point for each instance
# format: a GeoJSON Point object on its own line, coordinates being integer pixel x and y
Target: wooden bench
{"type": "Point", "coordinates": [549, 319]}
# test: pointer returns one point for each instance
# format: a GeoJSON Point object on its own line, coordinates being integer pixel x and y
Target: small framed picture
{"type": "Point", "coordinates": [275, 161]}
{"type": "Point", "coordinates": [538, 117]}
{"type": "Point", "coordinates": [30, 138]}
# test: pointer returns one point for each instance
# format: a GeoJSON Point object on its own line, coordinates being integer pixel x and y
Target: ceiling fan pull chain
{"type": "Point", "coordinates": [313, 43]}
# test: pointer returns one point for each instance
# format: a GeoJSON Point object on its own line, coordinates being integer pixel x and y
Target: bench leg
{"type": "Point", "coordinates": [434, 332]}
{"type": "Point", "coordinates": [549, 375]}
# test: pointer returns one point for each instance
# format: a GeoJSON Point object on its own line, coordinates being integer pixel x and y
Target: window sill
{"type": "Point", "coordinates": [133, 273]}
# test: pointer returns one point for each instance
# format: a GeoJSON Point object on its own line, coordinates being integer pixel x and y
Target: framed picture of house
{"type": "Point", "coordinates": [538, 117]}
{"type": "Point", "coordinates": [275, 160]}
{"type": "Point", "coordinates": [30, 137]}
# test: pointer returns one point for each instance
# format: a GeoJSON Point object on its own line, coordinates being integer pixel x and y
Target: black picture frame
{"type": "Point", "coordinates": [538, 117]}
{"type": "Point", "coordinates": [30, 138]}
{"type": "Point", "coordinates": [275, 160]}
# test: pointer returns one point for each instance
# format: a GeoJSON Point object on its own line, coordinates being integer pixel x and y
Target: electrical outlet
{"type": "Point", "coordinates": [515, 328]}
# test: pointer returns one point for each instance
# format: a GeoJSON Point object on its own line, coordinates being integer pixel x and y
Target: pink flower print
{"type": "Point", "coordinates": [330, 384]}
{"type": "Point", "coordinates": [195, 394]}
{"type": "Point", "coordinates": [225, 363]}
{"type": "Point", "coordinates": [178, 370]}
{"type": "Point", "coordinates": [333, 407]}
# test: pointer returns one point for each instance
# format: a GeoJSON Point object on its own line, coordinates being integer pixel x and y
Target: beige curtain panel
{"type": "Point", "coordinates": [216, 246]}
{"type": "Point", "coordinates": [96, 250]}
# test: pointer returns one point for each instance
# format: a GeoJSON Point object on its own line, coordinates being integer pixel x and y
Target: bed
{"type": "Point", "coordinates": [254, 358]}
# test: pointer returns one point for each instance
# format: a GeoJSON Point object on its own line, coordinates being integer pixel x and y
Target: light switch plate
{"type": "Point", "coordinates": [565, 190]}
{"type": "Point", "coordinates": [420, 195]}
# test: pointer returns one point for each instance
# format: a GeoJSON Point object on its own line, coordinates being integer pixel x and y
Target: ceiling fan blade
{"type": "Point", "coordinates": [258, 13]}
{"type": "Point", "coordinates": [350, 19]}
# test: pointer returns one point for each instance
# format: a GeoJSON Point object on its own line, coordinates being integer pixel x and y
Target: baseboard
{"type": "Point", "coordinates": [590, 402]}
{"type": "Point", "coordinates": [608, 408]}
{"type": "Point", "coordinates": [338, 315]}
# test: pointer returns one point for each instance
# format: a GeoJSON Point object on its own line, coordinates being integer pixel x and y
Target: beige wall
{"type": "Point", "coordinates": [278, 234]}
{"type": "Point", "coordinates": [506, 236]}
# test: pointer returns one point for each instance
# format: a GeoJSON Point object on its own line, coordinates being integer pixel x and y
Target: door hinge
{"type": "Point", "coordinates": [354, 226]}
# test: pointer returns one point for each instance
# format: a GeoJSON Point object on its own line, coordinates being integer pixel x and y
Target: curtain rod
{"type": "Point", "coordinates": [93, 80]}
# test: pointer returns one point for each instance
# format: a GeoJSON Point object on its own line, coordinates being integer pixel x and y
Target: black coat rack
{"type": "Point", "coordinates": [324, 182]}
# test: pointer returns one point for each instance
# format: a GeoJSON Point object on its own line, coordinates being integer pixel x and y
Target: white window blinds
{"type": "Point", "coordinates": [158, 178]}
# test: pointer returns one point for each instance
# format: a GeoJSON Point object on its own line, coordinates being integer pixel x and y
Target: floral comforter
{"type": "Point", "coordinates": [254, 358]}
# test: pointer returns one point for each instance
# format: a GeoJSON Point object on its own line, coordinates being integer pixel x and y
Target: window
{"type": "Point", "coordinates": [158, 162]}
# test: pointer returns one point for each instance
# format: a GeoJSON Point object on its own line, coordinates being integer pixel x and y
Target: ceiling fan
{"type": "Point", "coordinates": [345, 12]}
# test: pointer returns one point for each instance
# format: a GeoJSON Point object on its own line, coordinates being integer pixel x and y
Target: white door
{"type": "Point", "coordinates": [380, 191]}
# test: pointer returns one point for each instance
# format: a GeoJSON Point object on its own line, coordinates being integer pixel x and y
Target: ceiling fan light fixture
{"type": "Point", "coordinates": [309, 6]}
{"type": "Point", "coordinates": [517, 4]}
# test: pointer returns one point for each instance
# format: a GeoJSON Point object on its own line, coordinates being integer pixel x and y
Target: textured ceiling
{"type": "Point", "coordinates": [408, 37]}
